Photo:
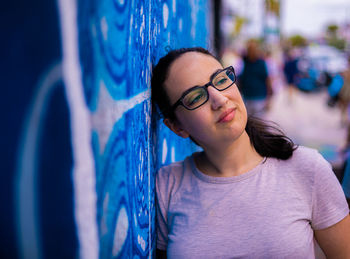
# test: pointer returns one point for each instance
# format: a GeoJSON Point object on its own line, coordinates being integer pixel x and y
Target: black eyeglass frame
{"type": "Point", "coordinates": [205, 87]}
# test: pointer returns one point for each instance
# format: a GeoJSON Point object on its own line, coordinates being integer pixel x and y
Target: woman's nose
{"type": "Point", "coordinates": [216, 98]}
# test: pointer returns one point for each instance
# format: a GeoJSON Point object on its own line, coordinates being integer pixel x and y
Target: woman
{"type": "Point", "coordinates": [250, 193]}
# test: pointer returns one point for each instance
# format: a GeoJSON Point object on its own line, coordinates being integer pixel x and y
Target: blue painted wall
{"type": "Point", "coordinates": [117, 44]}
{"type": "Point", "coordinates": [36, 187]}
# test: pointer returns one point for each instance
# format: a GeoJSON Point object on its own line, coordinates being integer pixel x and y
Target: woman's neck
{"type": "Point", "coordinates": [231, 160]}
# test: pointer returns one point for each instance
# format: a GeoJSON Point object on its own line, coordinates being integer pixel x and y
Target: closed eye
{"type": "Point", "coordinates": [221, 81]}
{"type": "Point", "coordinates": [196, 99]}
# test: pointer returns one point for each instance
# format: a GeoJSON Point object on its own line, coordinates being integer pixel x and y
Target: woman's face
{"type": "Point", "coordinates": [222, 118]}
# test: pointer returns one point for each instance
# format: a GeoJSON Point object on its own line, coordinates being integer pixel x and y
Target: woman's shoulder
{"type": "Point", "coordinates": [305, 155]}
{"type": "Point", "coordinates": [173, 172]}
{"type": "Point", "coordinates": [307, 160]}
{"type": "Point", "coordinates": [303, 169]}
{"type": "Point", "coordinates": [170, 177]}
{"type": "Point", "coordinates": [171, 169]}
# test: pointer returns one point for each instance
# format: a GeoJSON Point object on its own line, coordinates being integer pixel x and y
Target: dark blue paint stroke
{"type": "Point", "coordinates": [113, 184]}
{"type": "Point", "coordinates": [114, 48]}
{"type": "Point", "coordinates": [30, 42]}
{"type": "Point", "coordinates": [55, 159]}
{"type": "Point", "coordinates": [118, 6]}
{"type": "Point", "coordinates": [86, 12]}
{"type": "Point", "coordinates": [96, 154]}
{"type": "Point", "coordinates": [137, 161]}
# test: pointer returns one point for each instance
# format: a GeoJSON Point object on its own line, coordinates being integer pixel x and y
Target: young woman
{"type": "Point", "coordinates": [251, 193]}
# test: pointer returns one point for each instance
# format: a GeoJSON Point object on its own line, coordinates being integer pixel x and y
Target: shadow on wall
{"type": "Point", "coordinates": [81, 152]}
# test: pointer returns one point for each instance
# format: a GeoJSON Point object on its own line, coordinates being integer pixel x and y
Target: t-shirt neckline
{"type": "Point", "coordinates": [216, 179]}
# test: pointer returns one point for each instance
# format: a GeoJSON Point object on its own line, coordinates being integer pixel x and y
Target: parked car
{"type": "Point", "coordinates": [318, 65]}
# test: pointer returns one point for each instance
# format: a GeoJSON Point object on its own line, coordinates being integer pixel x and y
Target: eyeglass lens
{"type": "Point", "coordinates": [198, 96]}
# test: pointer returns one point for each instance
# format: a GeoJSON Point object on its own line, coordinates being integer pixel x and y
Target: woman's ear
{"type": "Point", "coordinates": [175, 126]}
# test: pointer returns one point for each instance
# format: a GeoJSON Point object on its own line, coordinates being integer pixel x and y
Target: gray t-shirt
{"type": "Point", "coordinates": [268, 212]}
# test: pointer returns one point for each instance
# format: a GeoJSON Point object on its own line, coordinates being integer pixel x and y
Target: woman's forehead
{"type": "Point", "coordinates": [190, 69]}
{"type": "Point", "coordinates": [193, 68]}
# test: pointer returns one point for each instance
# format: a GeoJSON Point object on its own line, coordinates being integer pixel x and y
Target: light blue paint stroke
{"type": "Point", "coordinates": [26, 197]}
{"type": "Point", "coordinates": [109, 112]}
{"type": "Point", "coordinates": [124, 105]}
{"type": "Point", "coordinates": [84, 164]}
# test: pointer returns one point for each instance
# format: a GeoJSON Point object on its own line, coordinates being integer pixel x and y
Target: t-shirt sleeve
{"type": "Point", "coordinates": [161, 212]}
{"type": "Point", "coordinates": [329, 205]}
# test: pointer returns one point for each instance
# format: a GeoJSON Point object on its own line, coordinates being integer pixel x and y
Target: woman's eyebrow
{"type": "Point", "coordinates": [211, 78]}
{"type": "Point", "coordinates": [214, 74]}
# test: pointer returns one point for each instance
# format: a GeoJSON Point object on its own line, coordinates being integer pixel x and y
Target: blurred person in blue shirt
{"type": "Point", "coordinates": [254, 81]}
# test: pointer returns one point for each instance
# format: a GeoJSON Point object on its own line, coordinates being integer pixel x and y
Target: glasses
{"type": "Point", "coordinates": [196, 96]}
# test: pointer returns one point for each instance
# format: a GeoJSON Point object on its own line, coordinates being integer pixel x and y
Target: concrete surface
{"type": "Point", "coordinates": [309, 121]}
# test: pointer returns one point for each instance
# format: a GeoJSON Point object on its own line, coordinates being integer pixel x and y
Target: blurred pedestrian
{"type": "Point", "coordinates": [274, 67]}
{"type": "Point", "coordinates": [291, 71]}
{"type": "Point", "coordinates": [254, 81]}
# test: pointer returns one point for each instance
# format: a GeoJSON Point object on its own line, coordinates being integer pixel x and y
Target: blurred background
{"type": "Point", "coordinates": [81, 142]}
{"type": "Point", "coordinates": [305, 47]}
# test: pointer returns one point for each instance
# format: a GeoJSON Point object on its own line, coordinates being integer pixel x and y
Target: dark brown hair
{"type": "Point", "coordinates": [267, 139]}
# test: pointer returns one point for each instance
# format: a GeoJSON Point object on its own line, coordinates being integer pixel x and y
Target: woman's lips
{"type": "Point", "coordinates": [227, 116]}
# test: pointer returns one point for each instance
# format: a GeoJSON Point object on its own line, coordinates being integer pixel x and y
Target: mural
{"type": "Point", "coordinates": [88, 142]}
{"type": "Point", "coordinates": [119, 41]}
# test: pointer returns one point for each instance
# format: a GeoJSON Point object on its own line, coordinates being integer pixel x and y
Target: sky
{"type": "Point", "coordinates": [311, 17]}
{"type": "Point", "coordinates": [306, 17]}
